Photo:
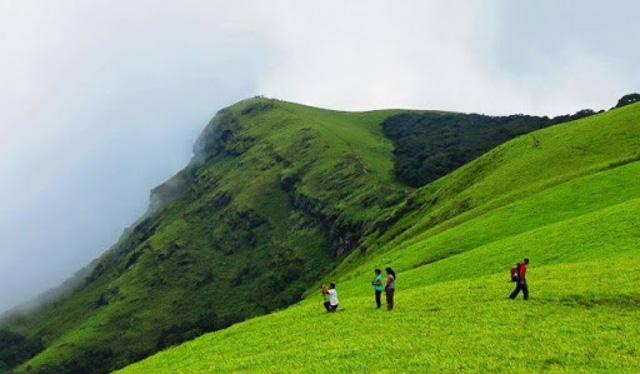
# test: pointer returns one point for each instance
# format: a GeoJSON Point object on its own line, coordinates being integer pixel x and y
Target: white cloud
{"type": "Point", "coordinates": [100, 100]}
{"type": "Point", "coordinates": [420, 54]}
{"type": "Point", "coordinates": [374, 53]}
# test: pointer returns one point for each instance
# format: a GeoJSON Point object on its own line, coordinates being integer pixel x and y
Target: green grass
{"type": "Point", "coordinates": [531, 217]}
{"type": "Point", "coordinates": [587, 324]}
{"type": "Point", "coordinates": [572, 205]}
{"type": "Point", "coordinates": [235, 244]}
{"type": "Point", "coordinates": [293, 194]}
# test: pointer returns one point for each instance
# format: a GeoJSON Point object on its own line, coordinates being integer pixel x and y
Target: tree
{"type": "Point", "coordinates": [16, 349]}
{"type": "Point", "coordinates": [628, 99]}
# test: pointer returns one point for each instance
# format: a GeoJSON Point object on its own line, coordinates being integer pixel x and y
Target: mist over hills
{"type": "Point", "coordinates": [280, 196]}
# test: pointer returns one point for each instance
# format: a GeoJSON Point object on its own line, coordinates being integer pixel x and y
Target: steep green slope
{"type": "Point", "coordinates": [276, 194]}
{"type": "Point", "coordinates": [571, 203]}
{"type": "Point", "coordinates": [518, 169]}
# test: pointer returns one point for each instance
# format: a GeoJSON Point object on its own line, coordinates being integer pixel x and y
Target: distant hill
{"type": "Point", "coordinates": [276, 194]}
{"type": "Point", "coordinates": [567, 196]}
{"type": "Point", "coordinates": [279, 196]}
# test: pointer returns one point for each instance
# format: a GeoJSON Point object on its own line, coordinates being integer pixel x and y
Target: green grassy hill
{"type": "Point", "coordinates": [280, 196]}
{"type": "Point", "coordinates": [276, 195]}
{"type": "Point", "coordinates": [567, 196]}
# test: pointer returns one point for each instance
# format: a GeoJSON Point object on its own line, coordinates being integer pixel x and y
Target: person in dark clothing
{"type": "Point", "coordinates": [332, 304]}
{"type": "Point", "coordinates": [377, 286]}
{"type": "Point", "coordinates": [390, 287]}
{"type": "Point", "coordinates": [521, 284]}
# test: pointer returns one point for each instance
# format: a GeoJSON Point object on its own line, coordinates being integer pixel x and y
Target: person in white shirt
{"type": "Point", "coordinates": [332, 304]}
{"type": "Point", "coordinates": [390, 288]}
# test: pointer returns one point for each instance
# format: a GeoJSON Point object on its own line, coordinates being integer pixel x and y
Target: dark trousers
{"type": "Point", "coordinates": [378, 293]}
{"type": "Point", "coordinates": [520, 286]}
{"type": "Point", "coordinates": [329, 307]}
{"type": "Point", "coordinates": [390, 293]}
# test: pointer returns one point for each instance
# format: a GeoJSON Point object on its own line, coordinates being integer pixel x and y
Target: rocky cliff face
{"type": "Point", "coordinates": [210, 143]}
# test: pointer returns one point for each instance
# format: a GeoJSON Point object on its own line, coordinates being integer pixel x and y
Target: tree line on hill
{"type": "Point", "coordinates": [430, 145]}
{"type": "Point", "coordinates": [628, 99]}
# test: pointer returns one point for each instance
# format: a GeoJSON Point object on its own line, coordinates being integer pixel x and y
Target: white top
{"type": "Point", "coordinates": [333, 297]}
{"type": "Point", "coordinates": [391, 281]}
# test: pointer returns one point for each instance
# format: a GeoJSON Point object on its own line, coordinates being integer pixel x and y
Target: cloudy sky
{"type": "Point", "coordinates": [101, 100]}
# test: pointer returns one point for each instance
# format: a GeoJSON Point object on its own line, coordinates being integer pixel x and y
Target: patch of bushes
{"type": "Point", "coordinates": [16, 349]}
{"type": "Point", "coordinates": [628, 99]}
{"type": "Point", "coordinates": [430, 145]}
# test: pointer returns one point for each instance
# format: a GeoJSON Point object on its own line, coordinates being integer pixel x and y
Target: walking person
{"type": "Point", "coordinates": [390, 287]}
{"type": "Point", "coordinates": [332, 304]}
{"type": "Point", "coordinates": [377, 286]}
{"type": "Point", "coordinates": [521, 280]}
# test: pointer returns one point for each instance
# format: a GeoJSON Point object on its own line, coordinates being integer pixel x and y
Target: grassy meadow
{"type": "Point", "coordinates": [262, 216]}
{"type": "Point", "coordinates": [570, 201]}
{"type": "Point", "coordinates": [461, 325]}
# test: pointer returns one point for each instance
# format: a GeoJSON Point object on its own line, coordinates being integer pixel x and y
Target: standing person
{"type": "Point", "coordinates": [521, 283]}
{"type": "Point", "coordinates": [332, 304]}
{"type": "Point", "coordinates": [390, 287]}
{"type": "Point", "coordinates": [377, 286]}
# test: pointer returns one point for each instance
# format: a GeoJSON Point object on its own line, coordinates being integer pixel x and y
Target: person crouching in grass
{"type": "Point", "coordinates": [332, 304]}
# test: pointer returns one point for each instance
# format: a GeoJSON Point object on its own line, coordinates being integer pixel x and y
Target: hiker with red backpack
{"type": "Point", "coordinates": [519, 275]}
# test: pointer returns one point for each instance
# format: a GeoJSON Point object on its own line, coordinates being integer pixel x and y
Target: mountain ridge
{"type": "Point", "coordinates": [285, 188]}
{"type": "Point", "coordinates": [574, 212]}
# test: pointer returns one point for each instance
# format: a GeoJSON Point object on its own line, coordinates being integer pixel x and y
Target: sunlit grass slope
{"type": "Point", "coordinates": [588, 324]}
{"type": "Point", "coordinates": [276, 197]}
{"type": "Point", "coordinates": [518, 169]}
{"type": "Point", "coordinates": [570, 201]}
{"type": "Point", "coordinates": [276, 194]}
